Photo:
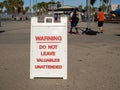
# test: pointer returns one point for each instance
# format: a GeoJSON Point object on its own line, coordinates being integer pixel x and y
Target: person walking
{"type": "Point", "coordinates": [100, 18]}
{"type": "Point", "coordinates": [74, 22]}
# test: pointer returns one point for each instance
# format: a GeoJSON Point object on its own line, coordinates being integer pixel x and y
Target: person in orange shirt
{"type": "Point", "coordinates": [100, 17]}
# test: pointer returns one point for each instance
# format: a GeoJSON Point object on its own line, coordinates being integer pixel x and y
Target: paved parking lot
{"type": "Point", "coordinates": [93, 61]}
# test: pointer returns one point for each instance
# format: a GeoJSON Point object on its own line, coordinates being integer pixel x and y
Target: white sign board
{"type": "Point", "coordinates": [48, 54]}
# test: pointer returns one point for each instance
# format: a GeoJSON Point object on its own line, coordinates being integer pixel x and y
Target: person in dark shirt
{"type": "Point", "coordinates": [74, 22]}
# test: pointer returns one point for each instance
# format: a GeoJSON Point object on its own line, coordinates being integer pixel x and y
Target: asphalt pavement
{"type": "Point", "coordinates": [93, 60]}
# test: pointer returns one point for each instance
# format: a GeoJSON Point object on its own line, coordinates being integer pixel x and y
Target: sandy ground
{"type": "Point", "coordinates": [93, 61]}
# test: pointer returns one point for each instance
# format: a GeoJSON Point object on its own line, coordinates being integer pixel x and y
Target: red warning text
{"type": "Point", "coordinates": [48, 38]}
{"type": "Point", "coordinates": [52, 46]}
{"type": "Point", "coordinates": [48, 66]}
{"type": "Point", "coordinates": [44, 53]}
{"type": "Point", "coordinates": [48, 60]}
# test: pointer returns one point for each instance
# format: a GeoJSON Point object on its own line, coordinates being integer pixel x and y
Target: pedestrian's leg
{"type": "Point", "coordinates": [70, 30]}
{"type": "Point", "coordinates": [76, 30]}
{"type": "Point", "coordinates": [101, 29]}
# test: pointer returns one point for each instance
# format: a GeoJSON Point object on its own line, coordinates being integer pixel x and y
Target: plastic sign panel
{"type": "Point", "coordinates": [48, 54]}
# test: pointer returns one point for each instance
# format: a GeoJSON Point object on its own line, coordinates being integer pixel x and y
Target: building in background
{"type": "Point", "coordinates": [115, 6]}
{"type": "Point", "coordinates": [66, 9]}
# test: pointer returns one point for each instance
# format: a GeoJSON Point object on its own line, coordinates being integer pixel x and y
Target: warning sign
{"type": "Point", "coordinates": [48, 54]}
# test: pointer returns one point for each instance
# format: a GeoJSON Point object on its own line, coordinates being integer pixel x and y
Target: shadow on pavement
{"type": "Point", "coordinates": [117, 34]}
{"type": "Point", "coordinates": [1, 31]}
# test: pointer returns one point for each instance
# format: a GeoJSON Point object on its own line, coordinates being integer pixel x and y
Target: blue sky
{"type": "Point", "coordinates": [72, 2]}
{"type": "Point", "coordinates": [69, 2]}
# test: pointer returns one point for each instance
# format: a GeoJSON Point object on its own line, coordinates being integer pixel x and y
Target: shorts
{"type": "Point", "coordinates": [100, 23]}
{"type": "Point", "coordinates": [73, 24]}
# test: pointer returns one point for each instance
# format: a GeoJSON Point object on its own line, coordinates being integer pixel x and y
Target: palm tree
{"type": "Point", "coordinates": [52, 1]}
{"type": "Point", "coordinates": [19, 6]}
{"type": "Point", "coordinates": [26, 9]}
{"type": "Point", "coordinates": [9, 5]}
{"type": "Point", "coordinates": [1, 6]}
{"type": "Point", "coordinates": [92, 2]}
{"type": "Point", "coordinates": [14, 6]}
{"type": "Point", "coordinates": [40, 8]}
{"type": "Point", "coordinates": [58, 4]}
{"type": "Point", "coordinates": [106, 2]}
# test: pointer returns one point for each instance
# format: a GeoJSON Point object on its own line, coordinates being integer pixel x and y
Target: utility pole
{"type": "Point", "coordinates": [110, 5]}
{"type": "Point", "coordinates": [36, 2]}
{"type": "Point", "coordinates": [1, 25]}
{"type": "Point", "coordinates": [33, 5]}
{"type": "Point", "coordinates": [100, 3]}
{"type": "Point", "coordinates": [88, 14]}
{"type": "Point", "coordinates": [62, 2]}
{"type": "Point", "coordinates": [30, 6]}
